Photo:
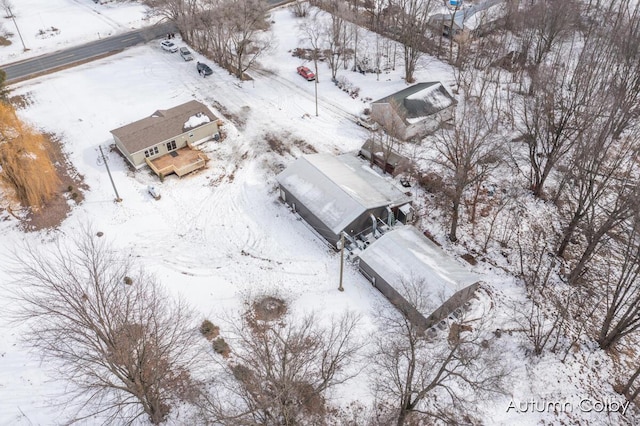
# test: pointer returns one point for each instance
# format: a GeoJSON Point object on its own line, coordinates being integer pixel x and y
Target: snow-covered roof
{"type": "Point", "coordinates": [473, 16]}
{"type": "Point", "coordinates": [404, 256]}
{"type": "Point", "coordinates": [163, 125]}
{"type": "Point", "coordinates": [196, 120]}
{"type": "Point", "coordinates": [492, 11]}
{"type": "Point", "coordinates": [337, 190]}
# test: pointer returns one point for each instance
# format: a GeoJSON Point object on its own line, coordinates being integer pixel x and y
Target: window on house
{"type": "Point", "coordinates": [171, 145]}
{"type": "Point", "coordinates": [151, 152]}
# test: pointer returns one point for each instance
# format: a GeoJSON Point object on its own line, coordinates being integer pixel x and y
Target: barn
{"type": "Point", "coordinates": [336, 194]}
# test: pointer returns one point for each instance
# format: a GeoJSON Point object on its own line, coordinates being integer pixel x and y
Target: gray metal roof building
{"type": "Point", "coordinates": [404, 265]}
{"type": "Point", "coordinates": [339, 194]}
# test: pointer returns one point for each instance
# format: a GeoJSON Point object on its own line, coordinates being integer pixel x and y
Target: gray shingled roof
{"type": "Point", "coordinates": [162, 125]}
{"type": "Point", "coordinates": [412, 105]}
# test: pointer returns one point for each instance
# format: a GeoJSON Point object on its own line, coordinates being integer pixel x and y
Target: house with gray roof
{"type": "Point", "coordinates": [173, 132]}
{"type": "Point", "coordinates": [466, 21]}
{"type": "Point", "coordinates": [417, 276]}
{"type": "Point", "coordinates": [336, 194]}
{"type": "Point", "coordinates": [414, 112]}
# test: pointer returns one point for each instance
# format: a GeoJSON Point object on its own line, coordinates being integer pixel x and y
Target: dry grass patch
{"type": "Point", "coordinates": [35, 172]}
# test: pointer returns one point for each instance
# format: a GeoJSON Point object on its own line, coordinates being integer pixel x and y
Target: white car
{"type": "Point", "coordinates": [169, 46]}
{"type": "Point", "coordinates": [186, 54]}
{"type": "Point", "coordinates": [153, 191]}
{"type": "Point", "coordinates": [366, 122]}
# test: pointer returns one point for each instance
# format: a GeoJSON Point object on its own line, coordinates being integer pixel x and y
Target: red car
{"type": "Point", "coordinates": [306, 73]}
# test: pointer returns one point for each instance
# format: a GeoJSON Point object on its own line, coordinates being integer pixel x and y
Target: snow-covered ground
{"type": "Point", "coordinates": [220, 235]}
{"type": "Point", "coordinates": [47, 26]}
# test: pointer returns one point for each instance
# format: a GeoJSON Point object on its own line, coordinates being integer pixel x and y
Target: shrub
{"type": "Point", "coordinates": [221, 347]}
{"type": "Point", "coordinates": [431, 182]}
{"type": "Point", "coordinates": [209, 330]}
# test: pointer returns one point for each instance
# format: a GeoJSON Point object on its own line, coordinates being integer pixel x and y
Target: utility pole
{"type": "Point", "coordinates": [104, 159]}
{"type": "Point", "coordinates": [341, 259]}
{"type": "Point", "coordinates": [316, 87]}
{"type": "Point", "coordinates": [355, 45]}
{"type": "Point", "coordinates": [17, 29]}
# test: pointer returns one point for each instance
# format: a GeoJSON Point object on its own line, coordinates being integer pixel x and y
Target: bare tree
{"type": "Point", "coordinates": [622, 292]}
{"type": "Point", "coordinates": [597, 167]}
{"type": "Point", "coordinates": [542, 320]}
{"type": "Point", "coordinates": [247, 40]}
{"type": "Point", "coordinates": [564, 99]}
{"type": "Point", "coordinates": [468, 152]}
{"type": "Point", "coordinates": [282, 370]}
{"type": "Point", "coordinates": [336, 35]}
{"type": "Point", "coordinates": [416, 376]}
{"type": "Point", "coordinates": [300, 8]}
{"type": "Point", "coordinates": [180, 12]}
{"type": "Point", "coordinates": [602, 220]}
{"type": "Point", "coordinates": [7, 5]}
{"type": "Point", "coordinates": [628, 389]}
{"type": "Point", "coordinates": [381, 146]}
{"type": "Point", "coordinates": [313, 33]}
{"type": "Point", "coordinates": [384, 143]}
{"type": "Point", "coordinates": [232, 31]}
{"type": "Point", "coordinates": [607, 146]}
{"type": "Point", "coordinates": [212, 35]}
{"type": "Point", "coordinates": [543, 25]}
{"type": "Point", "coordinates": [125, 345]}
{"type": "Point", "coordinates": [409, 19]}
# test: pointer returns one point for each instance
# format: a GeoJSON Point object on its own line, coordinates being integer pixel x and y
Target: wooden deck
{"type": "Point", "coordinates": [181, 161]}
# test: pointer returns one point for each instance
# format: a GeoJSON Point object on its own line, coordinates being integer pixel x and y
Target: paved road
{"type": "Point", "coordinates": [33, 67]}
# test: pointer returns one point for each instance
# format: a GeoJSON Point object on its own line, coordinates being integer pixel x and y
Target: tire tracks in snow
{"type": "Point", "coordinates": [324, 103]}
{"type": "Point", "coordinates": [107, 20]}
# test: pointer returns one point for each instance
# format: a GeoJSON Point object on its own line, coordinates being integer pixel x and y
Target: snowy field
{"type": "Point", "coordinates": [221, 235]}
{"type": "Point", "coordinates": [47, 26]}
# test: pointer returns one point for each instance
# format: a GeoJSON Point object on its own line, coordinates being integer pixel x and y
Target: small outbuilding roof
{"type": "Point", "coordinates": [403, 256]}
{"type": "Point", "coordinates": [420, 100]}
{"type": "Point", "coordinates": [163, 125]}
{"type": "Point", "coordinates": [338, 190]}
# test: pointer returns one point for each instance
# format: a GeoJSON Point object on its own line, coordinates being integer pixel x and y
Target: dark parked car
{"type": "Point", "coordinates": [306, 73]}
{"type": "Point", "coordinates": [203, 69]}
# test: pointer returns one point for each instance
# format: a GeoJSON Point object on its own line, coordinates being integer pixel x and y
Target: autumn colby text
{"type": "Point", "coordinates": [585, 405]}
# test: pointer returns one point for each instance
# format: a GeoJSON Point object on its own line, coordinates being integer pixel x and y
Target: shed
{"type": "Point", "coordinates": [384, 157]}
{"type": "Point", "coordinates": [403, 264]}
{"type": "Point", "coordinates": [168, 132]}
{"type": "Point", "coordinates": [415, 111]}
{"type": "Point", "coordinates": [341, 194]}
